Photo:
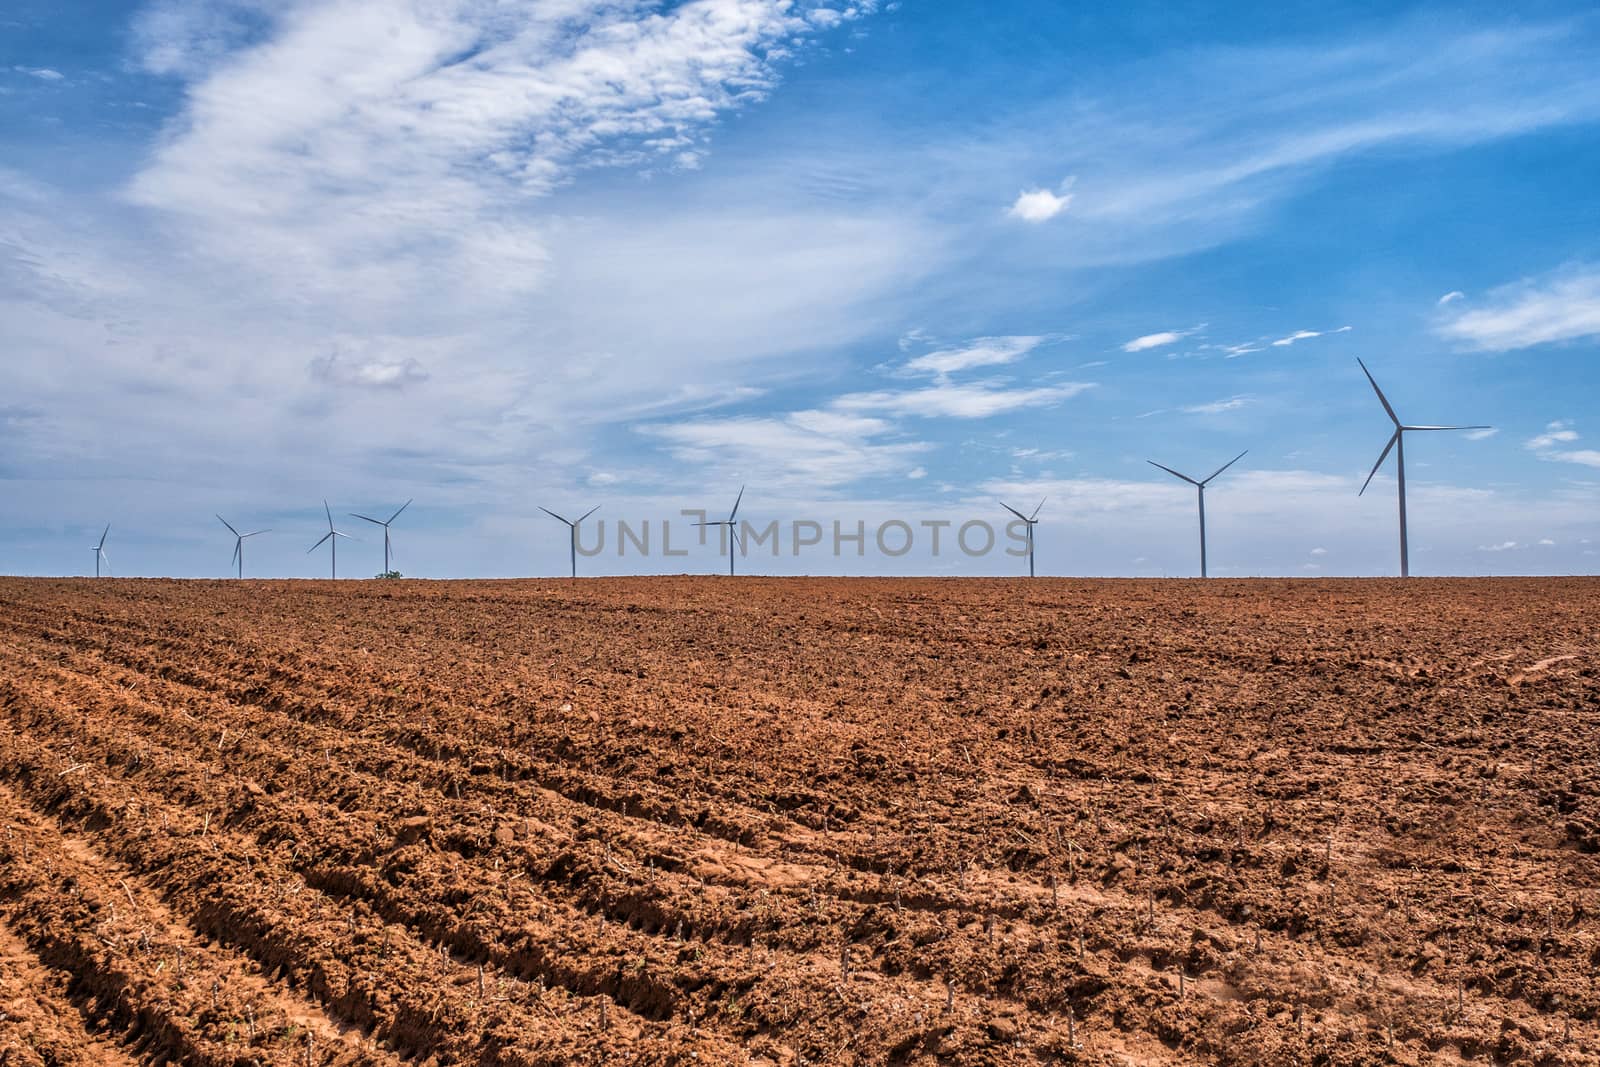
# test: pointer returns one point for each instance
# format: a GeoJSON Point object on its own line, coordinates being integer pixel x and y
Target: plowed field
{"type": "Point", "coordinates": [697, 820]}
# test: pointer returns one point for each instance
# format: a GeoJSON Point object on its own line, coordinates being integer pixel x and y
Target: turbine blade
{"type": "Point", "coordinates": [237, 545]}
{"type": "Point", "coordinates": [368, 518]}
{"type": "Point", "coordinates": [1172, 472]}
{"type": "Point", "coordinates": [1381, 398]}
{"type": "Point", "coordinates": [1036, 510]}
{"type": "Point", "coordinates": [253, 533]}
{"type": "Point", "coordinates": [396, 515]}
{"type": "Point", "coordinates": [736, 500]}
{"type": "Point", "coordinates": [553, 515]}
{"type": "Point", "coordinates": [1226, 465]}
{"type": "Point", "coordinates": [318, 545]}
{"type": "Point", "coordinates": [1014, 511]}
{"type": "Point", "coordinates": [586, 514]}
{"type": "Point", "coordinates": [228, 524]}
{"type": "Point", "coordinates": [1447, 427]}
{"type": "Point", "coordinates": [103, 534]}
{"type": "Point", "coordinates": [1386, 449]}
{"type": "Point", "coordinates": [329, 513]}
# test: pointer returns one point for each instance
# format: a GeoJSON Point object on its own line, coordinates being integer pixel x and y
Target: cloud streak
{"type": "Point", "coordinates": [984, 352]}
{"type": "Point", "coordinates": [1160, 339]}
{"type": "Point", "coordinates": [1561, 306]}
{"type": "Point", "coordinates": [1306, 335]}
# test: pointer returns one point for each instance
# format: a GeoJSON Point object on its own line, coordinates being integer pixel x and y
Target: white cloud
{"type": "Point", "coordinates": [1152, 340]}
{"type": "Point", "coordinates": [1545, 542]}
{"type": "Point", "coordinates": [984, 352]}
{"type": "Point", "coordinates": [378, 167]}
{"type": "Point", "coordinates": [1450, 297]}
{"type": "Point", "coordinates": [977, 400]}
{"type": "Point", "coordinates": [1217, 407]}
{"type": "Point", "coordinates": [1556, 433]}
{"type": "Point", "coordinates": [1160, 340]}
{"type": "Point", "coordinates": [1563, 305]}
{"type": "Point", "coordinates": [1304, 335]}
{"type": "Point", "coordinates": [1481, 435]}
{"type": "Point", "coordinates": [1319, 552]}
{"type": "Point", "coordinates": [802, 449]}
{"type": "Point", "coordinates": [917, 472]}
{"type": "Point", "coordinates": [1041, 205]}
{"type": "Point", "coordinates": [1503, 546]}
{"type": "Point", "coordinates": [42, 73]}
{"type": "Point", "coordinates": [1559, 433]}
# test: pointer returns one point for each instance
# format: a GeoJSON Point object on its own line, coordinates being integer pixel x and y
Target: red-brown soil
{"type": "Point", "coordinates": [696, 820]}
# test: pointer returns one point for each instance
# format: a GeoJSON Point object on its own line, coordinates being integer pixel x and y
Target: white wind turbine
{"type": "Point", "coordinates": [99, 551]}
{"type": "Point", "coordinates": [238, 542]}
{"type": "Point", "coordinates": [385, 524]}
{"type": "Point", "coordinates": [1397, 442]}
{"type": "Point", "coordinates": [733, 529]}
{"type": "Point", "coordinates": [1032, 521]}
{"type": "Point", "coordinates": [1200, 488]}
{"type": "Point", "coordinates": [332, 537]}
{"type": "Point", "coordinates": [572, 529]}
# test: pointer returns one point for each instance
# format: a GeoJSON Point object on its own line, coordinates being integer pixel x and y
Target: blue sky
{"type": "Point", "coordinates": [877, 260]}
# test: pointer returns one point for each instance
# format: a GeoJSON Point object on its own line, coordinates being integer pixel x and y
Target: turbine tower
{"type": "Point", "coordinates": [385, 524]}
{"type": "Point", "coordinates": [572, 527]}
{"type": "Point", "coordinates": [1397, 442]}
{"type": "Point", "coordinates": [1032, 521]}
{"type": "Point", "coordinates": [733, 532]}
{"type": "Point", "coordinates": [238, 543]}
{"type": "Point", "coordinates": [99, 551]}
{"type": "Point", "coordinates": [332, 537]}
{"type": "Point", "coordinates": [1200, 488]}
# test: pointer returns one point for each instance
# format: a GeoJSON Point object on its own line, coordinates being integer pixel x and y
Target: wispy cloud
{"type": "Point", "coordinates": [974, 400]}
{"type": "Point", "coordinates": [1483, 434]}
{"type": "Point", "coordinates": [1555, 433]}
{"type": "Point", "coordinates": [1306, 335]}
{"type": "Point", "coordinates": [1451, 297]}
{"type": "Point", "coordinates": [42, 73]}
{"type": "Point", "coordinates": [800, 449]}
{"type": "Point", "coordinates": [1559, 433]}
{"type": "Point", "coordinates": [866, 434]}
{"type": "Point", "coordinates": [396, 160]}
{"type": "Point", "coordinates": [984, 352]}
{"type": "Point", "coordinates": [1217, 407]}
{"type": "Point", "coordinates": [1160, 339]}
{"type": "Point", "coordinates": [1563, 305]}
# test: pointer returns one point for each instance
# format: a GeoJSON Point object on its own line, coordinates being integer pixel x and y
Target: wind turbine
{"type": "Point", "coordinates": [99, 551]}
{"type": "Point", "coordinates": [1032, 521]}
{"type": "Point", "coordinates": [1200, 487]}
{"type": "Point", "coordinates": [733, 532]}
{"type": "Point", "coordinates": [573, 528]}
{"type": "Point", "coordinates": [1397, 441]}
{"type": "Point", "coordinates": [238, 542]}
{"type": "Point", "coordinates": [380, 522]}
{"type": "Point", "coordinates": [332, 536]}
